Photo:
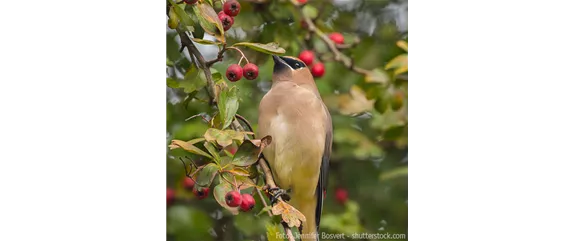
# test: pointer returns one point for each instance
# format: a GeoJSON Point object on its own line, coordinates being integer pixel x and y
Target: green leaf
{"type": "Point", "coordinates": [274, 233]}
{"type": "Point", "coordinates": [225, 160]}
{"type": "Point", "coordinates": [206, 175]}
{"type": "Point", "coordinates": [198, 31]}
{"type": "Point", "coordinates": [228, 104]}
{"type": "Point", "coordinates": [188, 146]}
{"type": "Point", "coordinates": [397, 172]}
{"type": "Point", "coordinates": [242, 182]}
{"type": "Point", "coordinates": [216, 77]}
{"type": "Point", "coordinates": [205, 41]}
{"type": "Point", "coordinates": [223, 137]}
{"type": "Point", "coordinates": [192, 80]}
{"type": "Point", "coordinates": [377, 76]}
{"type": "Point", "coordinates": [180, 12]}
{"type": "Point", "coordinates": [172, 83]}
{"type": "Point", "coordinates": [219, 193]}
{"type": "Point", "coordinates": [246, 155]}
{"type": "Point", "coordinates": [173, 18]}
{"type": "Point", "coordinates": [212, 151]}
{"type": "Point", "coordinates": [388, 119]}
{"type": "Point", "coordinates": [168, 62]}
{"type": "Point", "coordinates": [270, 48]}
{"type": "Point", "coordinates": [209, 20]}
{"type": "Point", "coordinates": [310, 11]}
{"type": "Point", "coordinates": [394, 133]}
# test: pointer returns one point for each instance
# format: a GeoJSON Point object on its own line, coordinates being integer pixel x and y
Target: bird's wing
{"type": "Point", "coordinates": [323, 178]}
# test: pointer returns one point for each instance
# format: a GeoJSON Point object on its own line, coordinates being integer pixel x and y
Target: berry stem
{"type": "Point", "coordinates": [236, 187]}
{"type": "Point", "coordinates": [242, 55]}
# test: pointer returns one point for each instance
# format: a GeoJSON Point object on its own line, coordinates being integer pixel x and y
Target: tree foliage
{"type": "Point", "coordinates": [364, 86]}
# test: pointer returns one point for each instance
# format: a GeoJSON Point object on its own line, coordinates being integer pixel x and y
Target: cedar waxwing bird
{"type": "Point", "coordinates": [294, 115]}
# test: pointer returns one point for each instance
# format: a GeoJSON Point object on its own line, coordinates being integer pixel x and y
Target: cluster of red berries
{"type": "Point", "coordinates": [317, 69]}
{"type": "Point", "coordinates": [230, 9]}
{"type": "Point", "coordinates": [200, 193]}
{"type": "Point", "coordinates": [235, 72]}
{"type": "Point", "coordinates": [308, 56]}
{"type": "Point", "coordinates": [189, 185]}
{"type": "Point", "coordinates": [245, 201]}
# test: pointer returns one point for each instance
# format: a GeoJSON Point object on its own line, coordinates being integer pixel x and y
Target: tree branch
{"type": "Point", "coordinates": [219, 56]}
{"type": "Point", "coordinates": [193, 51]}
{"type": "Point", "coordinates": [266, 171]}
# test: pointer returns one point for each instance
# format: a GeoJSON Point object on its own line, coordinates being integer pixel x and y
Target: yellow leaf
{"type": "Point", "coordinates": [209, 20]}
{"type": "Point", "coordinates": [401, 70]}
{"type": "Point", "coordinates": [239, 171]}
{"type": "Point", "coordinates": [188, 146]}
{"type": "Point", "coordinates": [273, 232]}
{"type": "Point", "coordinates": [288, 213]}
{"type": "Point", "coordinates": [377, 76]}
{"type": "Point", "coordinates": [403, 45]}
{"type": "Point", "coordinates": [354, 102]}
{"type": "Point", "coordinates": [399, 63]}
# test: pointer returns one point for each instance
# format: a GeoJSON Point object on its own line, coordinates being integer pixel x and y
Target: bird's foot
{"type": "Point", "coordinates": [276, 192]}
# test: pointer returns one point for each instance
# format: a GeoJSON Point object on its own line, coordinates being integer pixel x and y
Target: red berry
{"type": "Point", "coordinates": [341, 195]}
{"type": "Point", "coordinates": [201, 193]}
{"type": "Point", "coordinates": [307, 57]}
{"type": "Point", "coordinates": [234, 72]}
{"type": "Point", "coordinates": [318, 70]}
{"type": "Point", "coordinates": [231, 8]}
{"type": "Point", "coordinates": [220, 13]}
{"type": "Point", "coordinates": [233, 198]}
{"type": "Point", "coordinates": [250, 71]}
{"type": "Point", "coordinates": [226, 21]}
{"type": "Point", "coordinates": [170, 196]}
{"type": "Point", "coordinates": [190, 1]}
{"type": "Point", "coordinates": [188, 183]}
{"type": "Point", "coordinates": [337, 38]}
{"type": "Point", "coordinates": [247, 202]}
{"type": "Point", "coordinates": [302, 1]}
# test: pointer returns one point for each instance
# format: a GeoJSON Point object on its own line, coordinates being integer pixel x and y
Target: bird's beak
{"type": "Point", "coordinates": [278, 59]}
{"type": "Point", "coordinates": [280, 64]}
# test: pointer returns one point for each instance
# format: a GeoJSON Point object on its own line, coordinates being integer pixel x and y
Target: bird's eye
{"type": "Point", "coordinates": [297, 65]}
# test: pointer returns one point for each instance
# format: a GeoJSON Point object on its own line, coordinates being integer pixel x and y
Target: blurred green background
{"type": "Point", "coordinates": [369, 159]}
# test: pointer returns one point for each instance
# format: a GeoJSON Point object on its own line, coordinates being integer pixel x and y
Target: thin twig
{"type": "Point", "coordinates": [338, 56]}
{"type": "Point", "coordinates": [241, 52]}
{"type": "Point", "coordinates": [288, 231]}
{"type": "Point", "coordinates": [200, 114]}
{"type": "Point", "coordinates": [219, 56]}
{"type": "Point", "coordinates": [263, 201]}
{"type": "Point", "coordinates": [193, 51]}
{"type": "Point", "coordinates": [246, 122]}
{"type": "Point", "coordinates": [190, 160]}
